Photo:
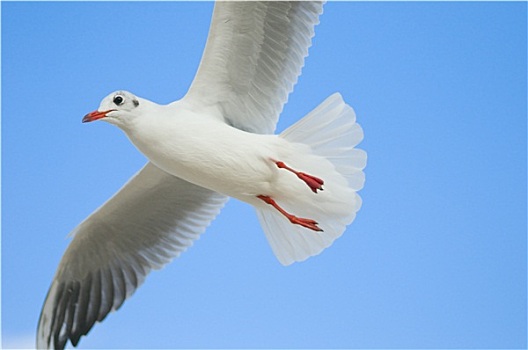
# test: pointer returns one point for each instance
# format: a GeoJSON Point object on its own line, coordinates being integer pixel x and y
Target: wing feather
{"type": "Point", "coordinates": [150, 221]}
{"type": "Point", "coordinates": [252, 59]}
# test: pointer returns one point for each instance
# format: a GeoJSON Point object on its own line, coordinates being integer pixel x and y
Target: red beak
{"type": "Point", "coordinates": [90, 117]}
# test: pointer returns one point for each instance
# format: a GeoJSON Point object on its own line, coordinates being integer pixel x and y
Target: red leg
{"type": "Point", "coordinates": [313, 182]}
{"type": "Point", "coordinates": [308, 223]}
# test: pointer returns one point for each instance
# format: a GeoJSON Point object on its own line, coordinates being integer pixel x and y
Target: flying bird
{"type": "Point", "coordinates": [216, 142]}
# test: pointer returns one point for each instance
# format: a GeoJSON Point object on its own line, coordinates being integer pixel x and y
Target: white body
{"type": "Point", "coordinates": [209, 152]}
{"type": "Point", "coordinates": [200, 148]}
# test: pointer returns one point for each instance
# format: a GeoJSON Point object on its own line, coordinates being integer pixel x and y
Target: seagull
{"type": "Point", "coordinates": [216, 142]}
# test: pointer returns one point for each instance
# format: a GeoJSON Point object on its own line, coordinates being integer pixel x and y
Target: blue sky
{"type": "Point", "coordinates": [437, 255]}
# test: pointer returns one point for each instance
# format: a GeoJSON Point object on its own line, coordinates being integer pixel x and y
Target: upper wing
{"type": "Point", "coordinates": [151, 220]}
{"type": "Point", "coordinates": [253, 56]}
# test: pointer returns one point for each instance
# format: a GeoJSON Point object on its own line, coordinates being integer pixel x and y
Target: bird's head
{"type": "Point", "coordinates": [119, 108]}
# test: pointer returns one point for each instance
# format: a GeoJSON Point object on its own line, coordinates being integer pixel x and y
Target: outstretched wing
{"type": "Point", "coordinates": [253, 56]}
{"type": "Point", "coordinates": [150, 221]}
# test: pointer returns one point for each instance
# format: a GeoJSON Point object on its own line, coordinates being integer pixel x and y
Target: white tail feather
{"type": "Point", "coordinates": [331, 133]}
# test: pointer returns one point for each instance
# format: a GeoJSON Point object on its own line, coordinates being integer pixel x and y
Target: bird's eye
{"type": "Point", "coordinates": [119, 100]}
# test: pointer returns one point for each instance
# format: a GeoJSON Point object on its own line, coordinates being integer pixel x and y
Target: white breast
{"type": "Point", "coordinates": [210, 153]}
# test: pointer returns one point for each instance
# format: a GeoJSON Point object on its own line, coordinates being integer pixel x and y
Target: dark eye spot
{"type": "Point", "coordinates": [119, 100]}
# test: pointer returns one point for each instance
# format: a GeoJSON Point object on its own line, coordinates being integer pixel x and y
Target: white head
{"type": "Point", "coordinates": [119, 108]}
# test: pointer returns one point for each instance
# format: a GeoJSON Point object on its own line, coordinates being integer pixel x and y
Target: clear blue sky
{"type": "Point", "coordinates": [437, 255]}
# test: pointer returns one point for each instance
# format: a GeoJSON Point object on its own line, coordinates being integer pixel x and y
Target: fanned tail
{"type": "Point", "coordinates": [324, 141]}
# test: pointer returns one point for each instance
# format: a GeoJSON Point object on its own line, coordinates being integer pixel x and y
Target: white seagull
{"type": "Point", "coordinates": [214, 143]}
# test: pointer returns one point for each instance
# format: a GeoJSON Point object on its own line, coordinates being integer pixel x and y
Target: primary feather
{"type": "Point", "coordinates": [150, 221]}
